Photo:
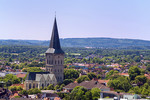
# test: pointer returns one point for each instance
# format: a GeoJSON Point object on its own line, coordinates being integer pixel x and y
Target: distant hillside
{"type": "Point", "coordinates": [84, 42]}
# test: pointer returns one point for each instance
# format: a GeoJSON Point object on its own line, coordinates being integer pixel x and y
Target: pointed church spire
{"type": "Point", "coordinates": [54, 46]}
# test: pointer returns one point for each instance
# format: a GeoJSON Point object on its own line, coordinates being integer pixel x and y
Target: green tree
{"type": "Point", "coordinates": [140, 80]}
{"type": "Point", "coordinates": [56, 87]}
{"type": "Point", "coordinates": [148, 68]}
{"type": "Point", "coordinates": [9, 60]}
{"type": "Point", "coordinates": [88, 95]}
{"type": "Point", "coordinates": [137, 59]}
{"type": "Point", "coordinates": [82, 78]}
{"type": "Point", "coordinates": [11, 79]}
{"type": "Point", "coordinates": [145, 91]}
{"type": "Point", "coordinates": [17, 96]}
{"type": "Point", "coordinates": [32, 69]}
{"type": "Point", "coordinates": [95, 93]}
{"type": "Point", "coordinates": [134, 71]}
{"type": "Point", "coordinates": [34, 91]}
{"type": "Point", "coordinates": [121, 83]}
{"type": "Point", "coordinates": [67, 81]}
{"type": "Point", "coordinates": [78, 93]}
{"type": "Point", "coordinates": [50, 87]}
{"type": "Point", "coordinates": [13, 88]}
{"type": "Point", "coordinates": [71, 73]}
{"type": "Point", "coordinates": [16, 80]}
{"type": "Point", "coordinates": [110, 73]}
{"type": "Point", "coordinates": [91, 75]}
{"type": "Point", "coordinates": [23, 92]}
{"type": "Point", "coordinates": [61, 87]}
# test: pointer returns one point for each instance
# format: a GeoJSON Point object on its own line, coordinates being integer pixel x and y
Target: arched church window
{"type": "Point", "coordinates": [58, 70]}
{"type": "Point", "coordinates": [29, 85]}
{"type": "Point", "coordinates": [58, 62]}
{"type": "Point", "coordinates": [33, 85]}
{"type": "Point", "coordinates": [48, 84]}
{"type": "Point", "coordinates": [42, 85]}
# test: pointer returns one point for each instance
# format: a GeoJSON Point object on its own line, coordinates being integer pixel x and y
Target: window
{"type": "Point", "coordinates": [48, 84]}
{"type": "Point", "coordinates": [55, 61]}
{"type": "Point", "coordinates": [36, 85]}
{"type": "Point", "coordinates": [55, 70]}
{"type": "Point", "coordinates": [33, 85]}
{"type": "Point", "coordinates": [61, 61]}
{"type": "Point", "coordinates": [58, 70]}
{"type": "Point", "coordinates": [30, 86]}
{"type": "Point", "coordinates": [58, 62]}
{"type": "Point", "coordinates": [42, 85]}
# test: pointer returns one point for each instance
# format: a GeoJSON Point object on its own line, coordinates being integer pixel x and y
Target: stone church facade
{"type": "Point", "coordinates": [54, 65]}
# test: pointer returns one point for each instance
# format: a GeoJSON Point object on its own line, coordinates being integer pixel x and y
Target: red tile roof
{"type": "Point", "coordinates": [124, 74]}
{"type": "Point", "coordinates": [147, 75]}
{"type": "Point", "coordinates": [57, 98]}
{"type": "Point", "coordinates": [87, 84]}
{"type": "Point", "coordinates": [21, 75]}
{"type": "Point", "coordinates": [103, 81]}
{"type": "Point", "coordinates": [22, 85]}
{"type": "Point", "coordinates": [71, 85]}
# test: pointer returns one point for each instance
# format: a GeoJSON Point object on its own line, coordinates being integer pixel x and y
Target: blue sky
{"type": "Point", "coordinates": [33, 19]}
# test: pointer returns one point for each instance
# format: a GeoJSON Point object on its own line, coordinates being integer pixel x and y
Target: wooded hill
{"type": "Point", "coordinates": [85, 42]}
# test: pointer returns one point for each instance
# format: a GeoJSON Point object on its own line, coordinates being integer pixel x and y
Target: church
{"type": "Point", "coordinates": [54, 65]}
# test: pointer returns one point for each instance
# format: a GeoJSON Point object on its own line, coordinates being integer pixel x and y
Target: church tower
{"type": "Point", "coordinates": [55, 56]}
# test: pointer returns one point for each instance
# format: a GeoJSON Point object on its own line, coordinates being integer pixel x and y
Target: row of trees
{"type": "Point", "coordinates": [71, 75]}
{"type": "Point", "coordinates": [31, 53]}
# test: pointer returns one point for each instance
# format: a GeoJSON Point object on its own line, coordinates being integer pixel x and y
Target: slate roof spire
{"type": "Point", "coordinates": [54, 46]}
